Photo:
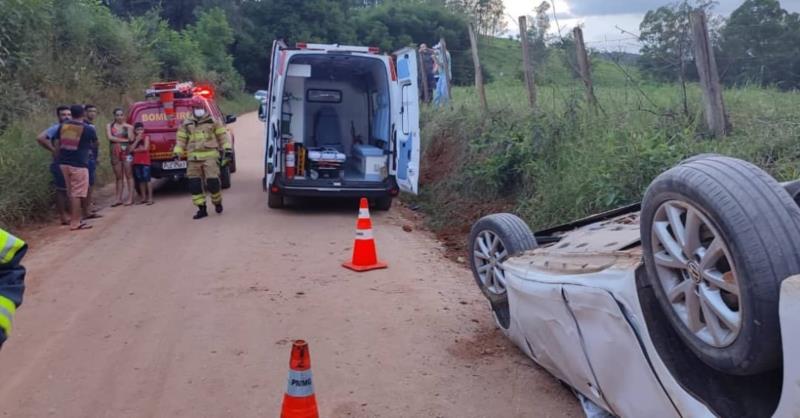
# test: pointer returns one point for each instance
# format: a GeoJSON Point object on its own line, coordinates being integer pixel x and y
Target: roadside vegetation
{"type": "Point", "coordinates": [566, 160]}
{"type": "Point", "coordinates": [99, 58]}
{"type": "Point", "coordinates": [106, 52]}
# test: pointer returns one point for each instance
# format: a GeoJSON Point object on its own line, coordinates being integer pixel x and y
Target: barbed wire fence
{"type": "Point", "coordinates": [621, 51]}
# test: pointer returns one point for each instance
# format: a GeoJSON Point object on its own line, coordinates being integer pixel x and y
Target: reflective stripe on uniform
{"type": "Point", "coordinates": [299, 384]}
{"type": "Point", "coordinates": [364, 234]}
{"type": "Point", "coordinates": [7, 309]}
{"type": "Point", "coordinates": [220, 130]}
{"type": "Point", "coordinates": [199, 199]}
{"type": "Point", "coordinates": [9, 245]}
{"type": "Point", "coordinates": [202, 155]}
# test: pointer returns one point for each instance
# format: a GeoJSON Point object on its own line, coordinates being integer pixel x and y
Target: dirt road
{"type": "Point", "coordinates": [152, 314]}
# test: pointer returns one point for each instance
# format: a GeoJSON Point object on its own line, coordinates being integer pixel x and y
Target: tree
{"type": "Point", "coordinates": [667, 51]}
{"type": "Point", "coordinates": [488, 15]}
{"type": "Point", "coordinates": [538, 29]}
{"type": "Point", "coordinates": [394, 25]}
{"type": "Point", "coordinates": [761, 43]}
{"type": "Point", "coordinates": [214, 36]}
{"type": "Point", "coordinates": [264, 21]}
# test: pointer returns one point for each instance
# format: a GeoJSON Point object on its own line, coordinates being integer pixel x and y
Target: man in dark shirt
{"type": "Point", "coordinates": [74, 141]}
{"type": "Point", "coordinates": [89, 210]}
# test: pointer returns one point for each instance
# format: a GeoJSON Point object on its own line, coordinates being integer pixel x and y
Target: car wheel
{"type": "Point", "coordinates": [719, 235]}
{"type": "Point", "coordinates": [493, 240]}
{"type": "Point", "coordinates": [225, 177]}
{"type": "Point", "coordinates": [383, 203]}
{"type": "Point", "coordinates": [274, 200]}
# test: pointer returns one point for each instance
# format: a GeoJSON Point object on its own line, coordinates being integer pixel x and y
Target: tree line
{"type": "Point", "coordinates": [758, 44]}
{"type": "Point", "coordinates": [52, 51]}
{"type": "Point", "coordinates": [388, 24]}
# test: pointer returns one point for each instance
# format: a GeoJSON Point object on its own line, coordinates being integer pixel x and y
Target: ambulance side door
{"type": "Point", "coordinates": [273, 113]}
{"type": "Point", "coordinates": [405, 117]}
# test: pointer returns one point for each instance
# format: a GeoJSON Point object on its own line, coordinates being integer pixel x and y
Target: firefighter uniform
{"type": "Point", "coordinates": [12, 276]}
{"type": "Point", "coordinates": [202, 139]}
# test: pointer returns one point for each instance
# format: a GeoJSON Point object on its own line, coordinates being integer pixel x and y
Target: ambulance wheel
{"type": "Point", "coordinates": [493, 240]}
{"type": "Point", "coordinates": [383, 203]}
{"type": "Point", "coordinates": [274, 200]}
{"type": "Point", "coordinates": [719, 236]}
{"type": "Point", "coordinates": [225, 177]}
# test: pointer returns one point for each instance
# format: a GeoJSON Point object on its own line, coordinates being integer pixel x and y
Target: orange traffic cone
{"type": "Point", "coordinates": [365, 255]}
{"type": "Point", "coordinates": [299, 400]}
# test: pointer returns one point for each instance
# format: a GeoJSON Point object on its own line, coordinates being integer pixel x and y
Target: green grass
{"type": "Point", "coordinates": [501, 58]}
{"type": "Point", "coordinates": [566, 161]}
{"type": "Point", "coordinates": [239, 105]}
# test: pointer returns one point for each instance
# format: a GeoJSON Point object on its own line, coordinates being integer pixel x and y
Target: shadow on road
{"type": "Point", "coordinates": [322, 205]}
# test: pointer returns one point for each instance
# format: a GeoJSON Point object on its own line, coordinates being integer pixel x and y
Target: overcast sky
{"type": "Point", "coordinates": [599, 18]}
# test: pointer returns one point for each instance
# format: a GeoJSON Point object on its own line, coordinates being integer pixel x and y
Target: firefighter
{"type": "Point", "coordinates": [12, 276]}
{"type": "Point", "coordinates": [204, 141]}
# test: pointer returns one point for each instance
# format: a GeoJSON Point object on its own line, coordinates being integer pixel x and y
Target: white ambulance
{"type": "Point", "coordinates": [341, 121]}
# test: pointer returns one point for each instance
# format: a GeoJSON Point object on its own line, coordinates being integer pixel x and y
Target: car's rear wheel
{"type": "Point", "coordinates": [383, 203]}
{"type": "Point", "coordinates": [719, 235]}
{"type": "Point", "coordinates": [274, 200]}
{"type": "Point", "coordinates": [493, 240]}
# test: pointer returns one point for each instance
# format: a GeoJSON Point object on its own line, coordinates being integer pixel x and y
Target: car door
{"type": "Point", "coordinates": [405, 115]}
{"type": "Point", "coordinates": [273, 113]}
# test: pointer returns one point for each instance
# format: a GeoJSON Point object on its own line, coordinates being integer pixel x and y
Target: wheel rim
{"type": "Point", "coordinates": [489, 255]}
{"type": "Point", "coordinates": [696, 271]}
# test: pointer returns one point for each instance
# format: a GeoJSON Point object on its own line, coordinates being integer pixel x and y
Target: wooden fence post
{"type": "Point", "coordinates": [583, 66]}
{"type": "Point", "coordinates": [446, 64]}
{"type": "Point", "coordinates": [527, 62]}
{"type": "Point", "coordinates": [473, 40]}
{"type": "Point", "coordinates": [714, 106]}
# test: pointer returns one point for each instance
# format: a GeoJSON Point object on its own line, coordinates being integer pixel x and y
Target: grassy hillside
{"type": "Point", "coordinates": [566, 161]}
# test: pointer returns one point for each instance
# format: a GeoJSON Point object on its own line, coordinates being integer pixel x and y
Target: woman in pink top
{"type": "Point", "coordinates": [119, 134]}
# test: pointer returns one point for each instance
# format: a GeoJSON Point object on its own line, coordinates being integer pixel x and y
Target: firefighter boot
{"type": "Point", "coordinates": [201, 212]}
{"type": "Point", "coordinates": [214, 186]}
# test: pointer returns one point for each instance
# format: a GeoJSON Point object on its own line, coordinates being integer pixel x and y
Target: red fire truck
{"type": "Point", "coordinates": [165, 106]}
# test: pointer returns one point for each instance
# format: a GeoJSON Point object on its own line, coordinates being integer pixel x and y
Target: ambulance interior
{"type": "Point", "coordinates": [336, 111]}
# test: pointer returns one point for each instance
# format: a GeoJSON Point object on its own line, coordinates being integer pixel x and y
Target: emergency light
{"type": "Point", "coordinates": [204, 91]}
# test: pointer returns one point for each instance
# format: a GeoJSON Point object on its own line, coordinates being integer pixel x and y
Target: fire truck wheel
{"type": "Point", "coordinates": [225, 177]}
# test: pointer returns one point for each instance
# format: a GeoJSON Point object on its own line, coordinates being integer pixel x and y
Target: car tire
{"type": "Point", "coordinates": [492, 241]}
{"type": "Point", "coordinates": [383, 204]}
{"type": "Point", "coordinates": [698, 157]}
{"type": "Point", "coordinates": [225, 177]}
{"type": "Point", "coordinates": [274, 200]}
{"type": "Point", "coordinates": [718, 280]}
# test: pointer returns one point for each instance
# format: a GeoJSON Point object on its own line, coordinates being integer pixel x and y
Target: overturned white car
{"type": "Point", "coordinates": [685, 305]}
